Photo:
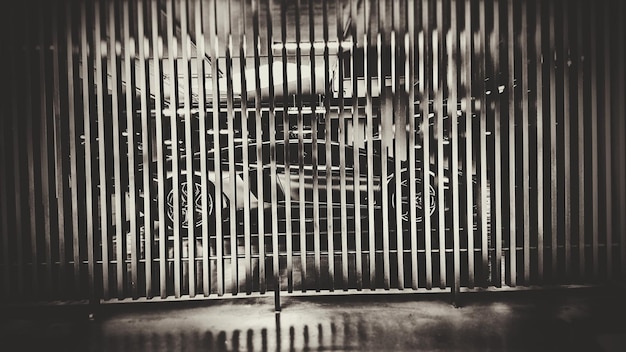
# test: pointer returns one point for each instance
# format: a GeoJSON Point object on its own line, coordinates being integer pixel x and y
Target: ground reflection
{"type": "Point", "coordinates": [546, 322]}
{"type": "Point", "coordinates": [298, 336]}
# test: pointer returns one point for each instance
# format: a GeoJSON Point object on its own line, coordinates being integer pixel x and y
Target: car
{"type": "Point", "coordinates": [292, 173]}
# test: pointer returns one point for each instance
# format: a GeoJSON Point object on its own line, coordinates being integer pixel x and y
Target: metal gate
{"type": "Point", "coordinates": [191, 148]}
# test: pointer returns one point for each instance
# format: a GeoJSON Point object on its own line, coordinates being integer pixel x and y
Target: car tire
{"type": "Point", "coordinates": [184, 199]}
{"type": "Point", "coordinates": [404, 192]}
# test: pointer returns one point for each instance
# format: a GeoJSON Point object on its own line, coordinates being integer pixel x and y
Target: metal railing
{"type": "Point", "coordinates": [194, 149]}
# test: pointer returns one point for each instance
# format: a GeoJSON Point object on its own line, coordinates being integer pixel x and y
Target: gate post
{"type": "Point", "coordinates": [456, 296]}
{"type": "Point", "coordinates": [277, 295]}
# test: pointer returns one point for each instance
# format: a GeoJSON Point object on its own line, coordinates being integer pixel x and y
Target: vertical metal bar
{"type": "Point", "coordinates": [217, 148]}
{"type": "Point", "coordinates": [540, 140]}
{"type": "Point", "coordinates": [71, 114]}
{"type": "Point", "coordinates": [86, 87]}
{"type": "Point", "coordinates": [314, 163]}
{"type": "Point", "coordinates": [144, 87]}
{"type": "Point", "coordinates": [244, 134]}
{"type": "Point", "coordinates": [129, 69]}
{"type": "Point", "coordinates": [409, 45]}
{"type": "Point", "coordinates": [342, 147]}
{"type": "Point", "coordinates": [301, 195]}
{"type": "Point", "coordinates": [4, 218]}
{"type": "Point", "coordinates": [102, 183]}
{"type": "Point", "coordinates": [4, 213]}
{"type": "Point", "coordinates": [172, 57]}
{"type": "Point", "coordinates": [287, 146]}
{"type": "Point", "coordinates": [157, 63]}
{"type": "Point", "coordinates": [553, 144]}
{"type": "Point", "coordinates": [285, 131]}
{"type": "Point", "coordinates": [481, 50]}
{"type": "Point", "coordinates": [439, 90]}
{"type": "Point", "coordinates": [202, 135]}
{"type": "Point", "coordinates": [43, 150]}
{"type": "Point", "coordinates": [189, 154]}
{"type": "Point", "coordinates": [273, 176]}
{"type": "Point", "coordinates": [384, 114]}
{"type": "Point", "coordinates": [452, 73]}
{"type": "Point", "coordinates": [567, 141]}
{"type": "Point", "coordinates": [399, 129]}
{"type": "Point", "coordinates": [608, 173]}
{"type": "Point", "coordinates": [594, 142]}
{"type": "Point", "coordinates": [259, 143]}
{"type": "Point", "coordinates": [30, 138]}
{"type": "Point", "coordinates": [18, 160]}
{"type": "Point", "coordinates": [495, 50]}
{"type": "Point", "coordinates": [356, 147]}
{"type": "Point", "coordinates": [425, 88]}
{"type": "Point", "coordinates": [328, 152]}
{"type": "Point", "coordinates": [466, 74]}
{"type": "Point", "coordinates": [367, 39]}
{"type": "Point", "coordinates": [315, 152]}
{"type": "Point", "coordinates": [5, 291]}
{"type": "Point", "coordinates": [30, 153]}
{"type": "Point", "coordinates": [622, 145]}
{"type": "Point", "coordinates": [394, 122]}
{"type": "Point", "coordinates": [511, 144]}
{"type": "Point", "coordinates": [525, 142]}
{"type": "Point", "coordinates": [115, 89]}
{"type": "Point", "coordinates": [58, 149]}
{"type": "Point", "coordinates": [231, 150]}
{"type": "Point", "coordinates": [581, 138]}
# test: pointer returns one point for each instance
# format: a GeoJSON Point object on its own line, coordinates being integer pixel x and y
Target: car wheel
{"type": "Point", "coordinates": [403, 193]}
{"type": "Point", "coordinates": [189, 194]}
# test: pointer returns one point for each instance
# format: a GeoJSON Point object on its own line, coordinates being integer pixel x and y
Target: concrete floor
{"type": "Point", "coordinates": [560, 320]}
